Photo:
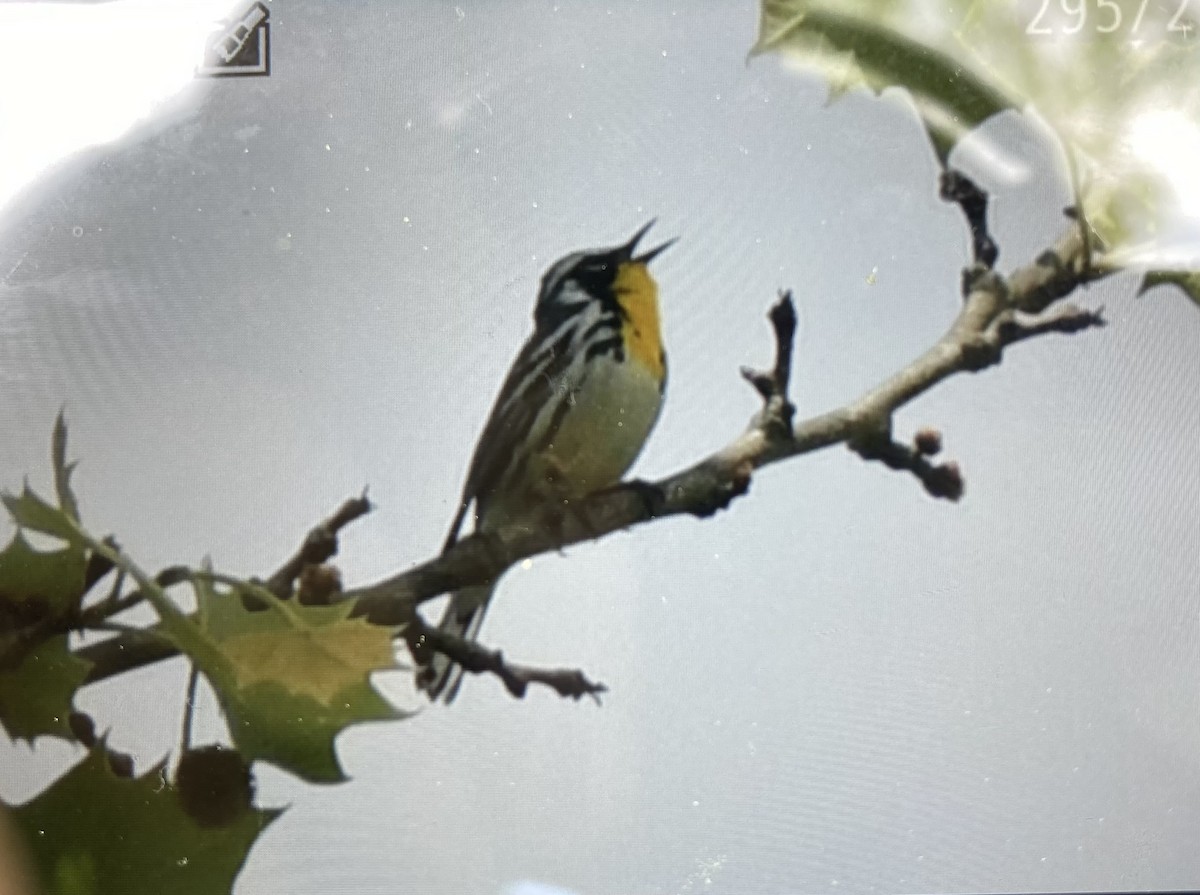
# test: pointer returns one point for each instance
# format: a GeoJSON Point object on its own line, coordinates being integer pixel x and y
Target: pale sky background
{"type": "Point", "coordinates": [278, 290]}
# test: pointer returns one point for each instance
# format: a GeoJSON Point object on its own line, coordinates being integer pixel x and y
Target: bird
{"type": "Point", "coordinates": [572, 416]}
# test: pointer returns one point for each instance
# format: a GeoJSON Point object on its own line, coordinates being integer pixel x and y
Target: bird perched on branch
{"type": "Point", "coordinates": [573, 413]}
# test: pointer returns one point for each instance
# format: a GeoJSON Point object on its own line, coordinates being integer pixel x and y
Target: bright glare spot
{"type": "Point", "coordinates": [1169, 141]}
{"type": "Point", "coordinates": [74, 76]}
{"type": "Point", "coordinates": [533, 887]}
{"type": "Point", "coordinates": [981, 150]}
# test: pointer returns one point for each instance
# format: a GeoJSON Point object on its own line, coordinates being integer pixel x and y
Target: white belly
{"type": "Point", "coordinates": [599, 438]}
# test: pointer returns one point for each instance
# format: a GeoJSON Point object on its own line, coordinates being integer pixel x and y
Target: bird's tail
{"type": "Point", "coordinates": [463, 618]}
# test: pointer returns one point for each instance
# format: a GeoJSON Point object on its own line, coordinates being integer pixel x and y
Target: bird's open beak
{"type": "Point", "coordinates": [646, 257]}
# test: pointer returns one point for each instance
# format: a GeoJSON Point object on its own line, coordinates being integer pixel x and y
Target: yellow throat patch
{"type": "Point", "coordinates": [637, 294]}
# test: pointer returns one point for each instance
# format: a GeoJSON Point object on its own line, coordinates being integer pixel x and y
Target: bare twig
{"type": "Point", "coordinates": [189, 707]}
{"type": "Point", "coordinates": [319, 545]}
{"type": "Point", "coordinates": [968, 345]}
{"type": "Point", "coordinates": [97, 567]}
{"type": "Point", "coordinates": [145, 647]}
{"type": "Point", "coordinates": [777, 414]}
{"type": "Point", "coordinates": [477, 659]}
{"type": "Point", "coordinates": [958, 188]}
{"type": "Point", "coordinates": [1066, 319]}
{"type": "Point", "coordinates": [940, 479]}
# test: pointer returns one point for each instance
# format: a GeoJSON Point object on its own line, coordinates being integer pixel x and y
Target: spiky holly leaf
{"type": "Point", "coordinates": [38, 680]}
{"type": "Point", "coordinates": [92, 832]}
{"type": "Point", "coordinates": [854, 45]}
{"type": "Point", "coordinates": [1187, 280]}
{"type": "Point", "coordinates": [36, 695]}
{"type": "Point", "coordinates": [63, 469]}
{"type": "Point", "coordinates": [39, 583]}
{"type": "Point", "coordinates": [1131, 142]}
{"type": "Point", "coordinates": [36, 584]}
{"type": "Point", "coordinates": [291, 678]}
{"type": "Point", "coordinates": [33, 513]}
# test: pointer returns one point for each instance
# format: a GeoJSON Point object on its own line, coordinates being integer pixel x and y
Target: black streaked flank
{"type": "Point", "coordinates": [561, 409]}
{"type": "Point", "coordinates": [608, 321]}
{"type": "Point", "coordinates": [613, 345]}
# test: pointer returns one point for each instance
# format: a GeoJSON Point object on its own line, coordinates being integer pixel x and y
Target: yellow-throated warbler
{"type": "Point", "coordinates": [572, 415]}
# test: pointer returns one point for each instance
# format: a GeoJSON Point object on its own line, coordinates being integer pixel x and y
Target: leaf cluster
{"type": "Point", "coordinates": [1119, 86]}
{"type": "Point", "coordinates": [289, 678]}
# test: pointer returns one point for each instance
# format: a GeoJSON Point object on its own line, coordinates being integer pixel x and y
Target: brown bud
{"type": "Point", "coordinates": [945, 481]}
{"type": "Point", "coordinates": [215, 785]}
{"type": "Point", "coordinates": [318, 584]}
{"type": "Point", "coordinates": [928, 442]}
{"type": "Point", "coordinates": [82, 728]}
{"type": "Point", "coordinates": [121, 764]}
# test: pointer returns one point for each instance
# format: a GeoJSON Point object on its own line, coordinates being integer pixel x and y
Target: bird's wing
{"type": "Point", "coordinates": [526, 393]}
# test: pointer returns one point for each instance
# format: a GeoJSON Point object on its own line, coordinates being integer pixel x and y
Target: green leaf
{"type": "Point", "coordinates": [291, 678]}
{"type": "Point", "coordinates": [63, 469]}
{"type": "Point", "coordinates": [37, 583]}
{"type": "Point", "coordinates": [31, 512]}
{"type": "Point", "coordinates": [92, 833]}
{"type": "Point", "coordinates": [853, 50]}
{"type": "Point", "coordinates": [1130, 141]}
{"type": "Point", "coordinates": [1187, 280]}
{"type": "Point", "coordinates": [36, 695]}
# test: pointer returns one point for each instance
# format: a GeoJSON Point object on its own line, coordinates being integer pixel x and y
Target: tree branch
{"type": "Point", "coordinates": [319, 545]}
{"type": "Point", "coordinates": [996, 312]}
{"type": "Point", "coordinates": [956, 187]}
{"type": "Point", "coordinates": [969, 345]}
{"type": "Point", "coordinates": [775, 419]}
{"type": "Point", "coordinates": [478, 659]}
{"type": "Point", "coordinates": [942, 480]}
{"type": "Point", "coordinates": [135, 649]}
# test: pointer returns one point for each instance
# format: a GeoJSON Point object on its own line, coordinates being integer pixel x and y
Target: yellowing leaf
{"type": "Point", "coordinates": [290, 678]}
{"type": "Point", "coordinates": [319, 662]}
